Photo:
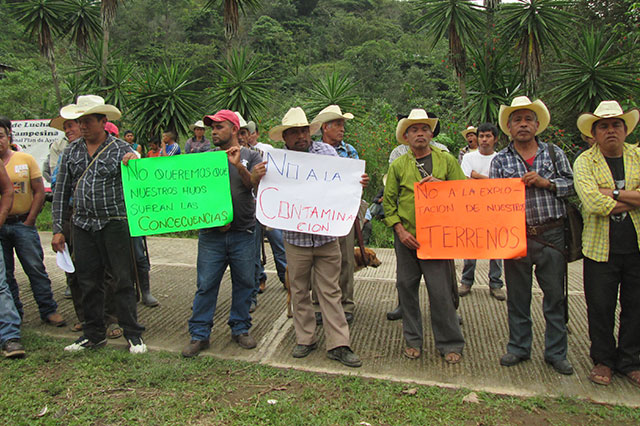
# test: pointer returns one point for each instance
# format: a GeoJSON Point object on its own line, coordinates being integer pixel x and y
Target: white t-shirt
{"type": "Point", "coordinates": [474, 161]}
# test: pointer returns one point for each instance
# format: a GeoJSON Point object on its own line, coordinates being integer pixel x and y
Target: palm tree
{"type": "Point", "coordinates": [231, 12]}
{"type": "Point", "coordinates": [242, 85]}
{"type": "Point", "coordinates": [108, 13]}
{"type": "Point", "coordinates": [43, 20]}
{"type": "Point", "coordinates": [460, 21]}
{"type": "Point", "coordinates": [535, 25]}
{"type": "Point", "coordinates": [83, 23]}
{"type": "Point", "coordinates": [334, 89]}
{"type": "Point", "coordinates": [594, 73]}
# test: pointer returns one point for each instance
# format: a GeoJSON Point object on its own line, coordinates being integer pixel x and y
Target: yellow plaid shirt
{"type": "Point", "coordinates": [591, 172]}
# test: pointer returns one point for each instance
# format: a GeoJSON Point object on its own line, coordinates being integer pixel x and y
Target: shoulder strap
{"type": "Point", "coordinates": [90, 164]}
{"type": "Point", "coordinates": [552, 154]}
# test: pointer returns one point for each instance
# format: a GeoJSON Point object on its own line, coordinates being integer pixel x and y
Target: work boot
{"type": "Point", "coordinates": [145, 289]}
{"type": "Point", "coordinates": [395, 315]}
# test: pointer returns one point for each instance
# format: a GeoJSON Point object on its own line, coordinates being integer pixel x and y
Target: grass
{"type": "Point", "coordinates": [110, 386]}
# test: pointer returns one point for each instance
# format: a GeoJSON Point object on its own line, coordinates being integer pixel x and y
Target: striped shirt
{"type": "Point", "coordinates": [593, 173]}
{"type": "Point", "coordinates": [99, 197]}
{"type": "Point", "coordinates": [301, 239]}
{"type": "Point", "coordinates": [541, 205]}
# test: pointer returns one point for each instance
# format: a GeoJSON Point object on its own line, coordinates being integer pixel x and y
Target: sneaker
{"type": "Point", "coordinates": [84, 343]}
{"type": "Point", "coordinates": [463, 290]}
{"type": "Point", "coordinates": [301, 351]}
{"type": "Point", "coordinates": [194, 347]}
{"type": "Point", "coordinates": [244, 340]}
{"type": "Point", "coordinates": [498, 294]}
{"type": "Point", "coordinates": [345, 355]}
{"type": "Point", "coordinates": [12, 348]}
{"type": "Point", "coordinates": [136, 345]}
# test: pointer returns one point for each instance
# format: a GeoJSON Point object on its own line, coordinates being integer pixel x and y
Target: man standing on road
{"type": "Point", "coordinates": [547, 184]}
{"type": "Point", "coordinates": [422, 163]}
{"type": "Point", "coordinates": [607, 178]}
{"type": "Point", "coordinates": [476, 165]}
{"type": "Point", "coordinates": [230, 245]}
{"type": "Point", "coordinates": [90, 174]}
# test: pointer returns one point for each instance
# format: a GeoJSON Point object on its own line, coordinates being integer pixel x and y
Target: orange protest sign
{"type": "Point", "coordinates": [471, 219]}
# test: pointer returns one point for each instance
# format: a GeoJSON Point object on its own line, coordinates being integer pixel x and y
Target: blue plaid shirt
{"type": "Point", "coordinates": [541, 205]}
{"type": "Point", "coordinates": [301, 239]}
{"type": "Point", "coordinates": [346, 150]}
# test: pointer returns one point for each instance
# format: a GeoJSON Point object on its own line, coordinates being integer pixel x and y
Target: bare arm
{"type": "Point", "coordinates": [6, 195]}
{"type": "Point", "coordinates": [37, 186]}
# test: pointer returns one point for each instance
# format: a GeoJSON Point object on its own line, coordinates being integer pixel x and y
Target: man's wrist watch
{"type": "Point", "coordinates": [616, 194]}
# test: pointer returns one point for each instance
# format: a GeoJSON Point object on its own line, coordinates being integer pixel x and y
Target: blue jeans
{"type": "Point", "coordinates": [495, 273]}
{"type": "Point", "coordinates": [9, 317]}
{"type": "Point", "coordinates": [216, 251]}
{"type": "Point", "coordinates": [26, 243]}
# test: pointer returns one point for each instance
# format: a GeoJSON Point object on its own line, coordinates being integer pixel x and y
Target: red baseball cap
{"type": "Point", "coordinates": [222, 115]}
{"type": "Point", "coordinates": [112, 128]}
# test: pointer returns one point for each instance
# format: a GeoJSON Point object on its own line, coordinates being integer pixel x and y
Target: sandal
{"type": "Point", "coordinates": [55, 319]}
{"type": "Point", "coordinates": [601, 375]}
{"type": "Point", "coordinates": [114, 331]}
{"type": "Point", "coordinates": [453, 358]}
{"type": "Point", "coordinates": [634, 377]}
{"type": "Point", "coordinates": [412, 353]}
{"type": "Point", "coordinates": [77, 327]}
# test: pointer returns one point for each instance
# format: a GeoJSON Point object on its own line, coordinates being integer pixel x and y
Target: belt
{"type": "Point", "coordinates": [534, 230]}
{"type": "Point", "coordinates": [16, 218]}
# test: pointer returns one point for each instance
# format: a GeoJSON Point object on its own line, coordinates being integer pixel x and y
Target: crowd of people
{"type": "Point", "coordinates": [89, 219]}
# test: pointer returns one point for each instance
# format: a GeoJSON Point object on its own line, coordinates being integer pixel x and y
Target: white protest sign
{"type": "Point", "coordinates": [34, 137]}
{"type": "Point", "coordinates": [310, 193]}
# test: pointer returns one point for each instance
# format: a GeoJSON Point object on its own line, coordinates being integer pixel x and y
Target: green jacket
{"type": "Point", "coordinates": [399, 201]}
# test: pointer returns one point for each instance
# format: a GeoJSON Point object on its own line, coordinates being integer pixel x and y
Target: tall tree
{"type": "Point", "coordinates": [83, 22]}
{"type": "Point", "coordinates": [108, 13]}
{"type": "Point", "coordinates": [460, 21]}
{"type": "Point", "coordinates": [43, 20]}
{"type": "Point", "coordinates": [231, 12]}
{"type": "Point", "coordinates": [535, 25]}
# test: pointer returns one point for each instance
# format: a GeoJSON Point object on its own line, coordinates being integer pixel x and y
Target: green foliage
{"type": "Point", "coordinates": [242, 85]}
{"type": "Point", "coordinates": [164, 99]}
{"type": "Point", "coordinates": [43, 20]}
{"type": "Point", "coordinates": [595, 73]}
{"type": "Point", "coordinates": [231, 12]}
{"type": "Point", "coordinates": [84, 23]}
{"type": "Point", "coordinates": [333, 89]}
{"type": "Point", "coordinates": [27, 92]}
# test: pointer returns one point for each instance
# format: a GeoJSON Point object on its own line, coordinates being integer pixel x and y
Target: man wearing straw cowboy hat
{"type": "Point", "coordinates": [197, 143]}
{"type": "Point", "coordinates": [607, 179]}
{"type": "Point", "coordinates": [422, 163]}
{"type": "Point", "coordinates": [332, 120]}
{"type": "Point", "coordinates": [470, 134]}
{"type": "Point", "coordinates": [317, 255]}
{"type": "Point", "coordinates": [547, 182]}
{"type": "Point", "coordinates": [90, 173]}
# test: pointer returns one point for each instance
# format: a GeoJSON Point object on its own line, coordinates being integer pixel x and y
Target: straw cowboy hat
{"type": "Point", "coordinates": [241, 120]}
{"type": "Point", "coordinates": [89, 104]}
{"type": "Point", "coordinates": [197, 125]}
{"type": "Point", "coordinates": [58, 123]}
{"type": "Point", "coordinates": [416, 116]}
{"type": "Point", "coordinates": [607, 109]}
{"type": "Point", "coordinates": [330, 113]}
{"type": "Point", "coordinates": [469, 129]}
{"type": "Point", "coordinates": [522, 102]}
{"type": "Point", "coordinates": [295, 117]}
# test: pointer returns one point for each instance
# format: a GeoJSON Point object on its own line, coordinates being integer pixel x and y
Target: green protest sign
{"type": "Point", "coordinates": [170, 194]}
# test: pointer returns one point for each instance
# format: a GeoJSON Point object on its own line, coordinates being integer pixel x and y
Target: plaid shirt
{"type": "Point", "coordinates": [301, 239]}
{"type": "Point", "coordinates": [346, 150]}
{"type": "Point", "coordinates": [541, 205]}
{"type": "Point", "coordinates": [99, 197]}
{"type": "Point", "coordinates": [592, 173]}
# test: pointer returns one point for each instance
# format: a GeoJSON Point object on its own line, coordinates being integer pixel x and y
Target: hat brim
{"type": "Point", "coordinates": [192, 127]}
{"type": "Point", "coordinates": [325, 117]}
{"type": "Point", "coordinates": [276, 132]}
{"type": "Point", "coordinates": [405, 123]}
{"type": "Point", "coordinates": [537, 106]}
{"type": "Point", "coordinates": [465, 132]}
{"type": "Point", "coordinates": [58, 123]}
{"type": "Point", "coordinates": [72, 112]}
{"type": "Point", "coordinates": [586, 120]}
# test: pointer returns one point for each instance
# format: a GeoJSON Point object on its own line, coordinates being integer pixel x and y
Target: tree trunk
{"type": "Point", "coordinates": [54, 77]}
{"type": "Point", "coordinates": [105, 56]}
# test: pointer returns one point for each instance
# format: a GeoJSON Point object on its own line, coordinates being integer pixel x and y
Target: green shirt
{"type": "Point", "coordinates": [399, 201]}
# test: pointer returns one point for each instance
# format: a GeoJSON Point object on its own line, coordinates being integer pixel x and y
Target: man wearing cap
{"type": "Point", "coordinates": [607, 179]}
{"type": "Point", "coordinates": [230, 245]}
{"type": "Point", "coordinates": [197, 143]}
{"type": "Point", "coordinates": [476, 165]}
{"type": "Point", "coordinates": [547, 183]}
{"type": "Point", "coordinates": [90, 173]}
{"type": "Point", "coordinates": [314, 255]}
{"type": "Point", "coordinates": [470, 134]}
{"type": "Point", "coordinates": [422, 163]}
{"type": "Point", "coordinates": [331, 121]}
{"type": "Point", "coordinates": [19, 231]}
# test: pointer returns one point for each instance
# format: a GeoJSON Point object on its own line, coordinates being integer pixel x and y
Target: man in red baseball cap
{"type": "Point", "coordinates": [227, 245]}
